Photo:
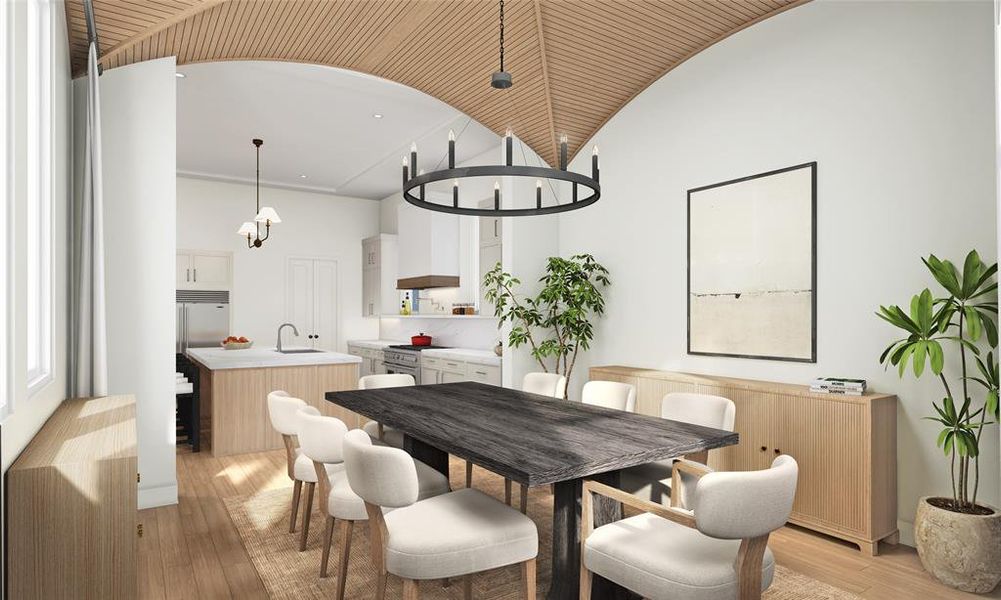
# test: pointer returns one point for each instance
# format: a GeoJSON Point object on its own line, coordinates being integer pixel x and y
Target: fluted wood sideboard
{"type": "Point", "coordinates": [846, 446]}
{"type": "Point", "coordinates": [72, 512]}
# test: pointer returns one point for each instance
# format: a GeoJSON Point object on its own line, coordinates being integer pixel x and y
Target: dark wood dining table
{"type": "Point", "coordinates": [534, 440]}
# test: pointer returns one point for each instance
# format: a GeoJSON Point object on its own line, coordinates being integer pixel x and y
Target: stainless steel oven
{"type": "Point", "coordinates": [405, 360]}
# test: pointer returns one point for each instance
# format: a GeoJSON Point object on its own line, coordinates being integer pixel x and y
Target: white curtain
{"type": "Point", "coordinates": [89, 349]}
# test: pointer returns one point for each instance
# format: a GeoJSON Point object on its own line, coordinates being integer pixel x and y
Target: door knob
{"type": "Point", "coordinates": [763, 448]}
{"type": "Point", "coordinates": [777, 451]}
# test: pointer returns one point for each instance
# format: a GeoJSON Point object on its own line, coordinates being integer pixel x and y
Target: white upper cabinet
{"type": "Point", "coordinates": [429, 243]}
{"type": "Point", "coordinates": [204, 270]}
{"type": "Point", "coordinates": [379, 273]}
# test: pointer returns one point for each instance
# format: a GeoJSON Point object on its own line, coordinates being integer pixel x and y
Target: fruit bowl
{"type": "Point", "coordinates": [234, 343]}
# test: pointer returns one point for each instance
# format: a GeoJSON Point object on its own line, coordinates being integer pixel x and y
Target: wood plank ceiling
{"type": "Point", "coordinates": [575, 63]}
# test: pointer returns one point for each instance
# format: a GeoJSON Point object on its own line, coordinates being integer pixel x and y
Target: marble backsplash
{"type": "Point", "coordinates": [457, 332]}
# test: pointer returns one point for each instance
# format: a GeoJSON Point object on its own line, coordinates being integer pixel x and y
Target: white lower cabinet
{"type": "Point", "coordinates": [441, 370]}
{"type": "Point", "coordinates": [371, 360]}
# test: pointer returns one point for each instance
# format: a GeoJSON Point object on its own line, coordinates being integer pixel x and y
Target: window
{"type": "Point", "coordinates": [7, 192]}
{"type": "Point", "coordinates": [39, 303]}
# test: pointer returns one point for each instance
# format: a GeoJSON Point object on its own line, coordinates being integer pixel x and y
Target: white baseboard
{"type": "Point", "coordinates": [163, 495]}
{"type": "Point", "coordinates": [906, 529]}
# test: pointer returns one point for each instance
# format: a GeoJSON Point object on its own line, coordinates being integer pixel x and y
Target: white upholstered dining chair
{"type": "Point", "coordinates": [451, 535]}
{"type": "Point", "coordinates": [387, 435]}
{"type": "Point", "coordinates": [715, 547]}
{"type": "Point", "coordinates": [544, 384]}
{"type": "Point", "coordinates": [652, 481]}
{"type": "Point", "coordinates": [610, 394]}
{"type": "Point", "coordinates": [285, 412]}
{"type": "Point", "coordinates": [322, 440]}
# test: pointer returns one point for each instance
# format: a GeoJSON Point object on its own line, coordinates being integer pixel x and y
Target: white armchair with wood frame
{"type": "Point", "coordinates": [452, 535]}
{"type": "Point", "coordinates": [378, 431]}
{"type": "Point", "coordinates": [710, 544]}
{"type": "Point", "coordinates": [285, 412]}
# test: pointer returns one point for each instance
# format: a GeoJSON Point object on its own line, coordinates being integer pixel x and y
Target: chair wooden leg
{"type": "Point", "coordinates": [344, 540]}
{"type": "Point", "coordinates": [328, 534]}
{"type": "Point", "coordinates": [467, 587]}
{"type": "Point", "coordinates": [380, 586]}
{"type": "Point", "coordinates": [528, 579]}
{"type": "Point", "coordinates": [307, 511]}
{"type": "Point", "coordinates": [507, 491]}
{"type": "Point", "coordinates": [585, 582]}
{"type": "Point", "coordinates": [469, 474]}
{"type": "Point", "coordinates": [749, 559]}
{"type": "Point", "coordinates": [411, 589]}
{"type": "Point", "coordinates": [296, 492]}
{"type": "Point", "coordinates": [524, 499]}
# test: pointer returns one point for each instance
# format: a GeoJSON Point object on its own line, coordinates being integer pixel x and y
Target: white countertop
{"type": "Point", "coordinates": [472, 355]}
{"type": "Point", "coordinates": [374, 344]}
{"type": "Point", "coordinates": [256, 358]}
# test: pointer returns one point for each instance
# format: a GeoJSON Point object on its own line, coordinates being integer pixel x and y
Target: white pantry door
{"type": "Point", "coordinates": [311, 303]}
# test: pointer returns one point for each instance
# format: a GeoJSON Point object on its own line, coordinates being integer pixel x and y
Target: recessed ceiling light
{"type": "Point", "coordinates": [303, 176]}
{"type": "Point", "coordinates": [180, 75]}
{"type": "Point", "coordinates": [377, 116]}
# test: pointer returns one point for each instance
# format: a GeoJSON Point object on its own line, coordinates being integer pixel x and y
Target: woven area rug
{"type": "Point", "coordinates": [262, 520]}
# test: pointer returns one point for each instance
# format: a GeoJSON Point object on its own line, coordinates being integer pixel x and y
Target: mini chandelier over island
{"type": "Point", "coordinates": [266, 215]}
{"type": "Point", "coordinates": [412, 180]}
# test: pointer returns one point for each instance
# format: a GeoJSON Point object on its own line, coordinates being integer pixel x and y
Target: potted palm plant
{"type": "Point", "coordinates": [958, 537]}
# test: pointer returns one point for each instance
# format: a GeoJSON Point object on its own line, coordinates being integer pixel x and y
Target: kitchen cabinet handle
{"type": "Point", "coordinates": [196, 275]}
{"type": "Point", "coordinates": [777, 451]}
{"type": "Point", "coordinates": [481, 373]}
{"type": "Point", "coordinates": [495, 227]}
{"type": "Point", "coordinates": [187, 275]}
{"type": "Point", "coordinates": [451, 364]}
{"type": "Point", "coordinates": [763, 448]}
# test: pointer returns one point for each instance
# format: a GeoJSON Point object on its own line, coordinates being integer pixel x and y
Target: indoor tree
{"type": "Point", "coordinates": [965, 320]}
{"type": "Point", "coordinates": [556, 322]}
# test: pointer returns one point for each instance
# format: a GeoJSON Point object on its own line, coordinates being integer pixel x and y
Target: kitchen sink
{"type": "Point", "coordinates": [299, 351]}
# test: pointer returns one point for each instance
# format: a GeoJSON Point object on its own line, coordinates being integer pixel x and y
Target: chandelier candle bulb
{"type": "Point", "coordinates": [563, 152]}
{"type": "Point", "coordinates": [451, 149]}
{"type": "Point", "coordinates": [538, 193]}
{"type": "Point", "coordinates": [406, 171]}
{"type": "Point", "coordinates": [455, 193]}
{"type": "Point", "coordinates": [508, 148]}
{"type": "Point", "coordinates": [496, 195]}
{"type": "Point", "coordinates": [413, 157]}
{"type": "Point", "coordinates": [594, 164]}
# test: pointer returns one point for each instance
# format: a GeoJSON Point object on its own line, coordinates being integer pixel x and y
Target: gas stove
{"type": "Point", "coordinates": [405, 359]}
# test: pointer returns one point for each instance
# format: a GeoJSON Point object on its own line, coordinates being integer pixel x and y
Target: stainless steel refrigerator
{"type": "Point", "coordinates": [202, 319]}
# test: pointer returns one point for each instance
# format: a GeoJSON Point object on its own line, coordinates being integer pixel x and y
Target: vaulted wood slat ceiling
{"type": "Point", "coordinates": [575, 63]}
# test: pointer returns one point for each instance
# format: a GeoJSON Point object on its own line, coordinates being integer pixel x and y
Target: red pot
{"type": "Point", "coordinates": [420, 340]}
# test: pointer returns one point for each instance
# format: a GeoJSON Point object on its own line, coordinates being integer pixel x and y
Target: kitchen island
{"type": "Point", "coordinates": [233, 387]}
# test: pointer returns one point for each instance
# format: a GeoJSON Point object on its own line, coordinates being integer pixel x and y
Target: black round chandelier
{"type": "Point", "coordinates": [584, 190]}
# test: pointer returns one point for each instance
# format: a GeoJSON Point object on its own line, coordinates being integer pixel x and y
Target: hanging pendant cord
{"type": "Point", "coordinates": [258, 176]}
{"type": "Point", "coordinates": [501, 35]}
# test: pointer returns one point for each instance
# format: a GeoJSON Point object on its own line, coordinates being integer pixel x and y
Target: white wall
{"type": "Point", "coordinates": [138, 132]}
{"type": "Point", "coordinates": [313, 225]}
{"type": "Point", "coordinates": [895, 102]}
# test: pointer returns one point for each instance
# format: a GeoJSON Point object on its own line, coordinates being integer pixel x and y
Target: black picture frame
{"type": "Point", "coordinates": [813, 264]}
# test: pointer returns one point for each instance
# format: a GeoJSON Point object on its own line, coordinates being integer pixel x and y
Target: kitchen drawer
{"type": "Point", "coordinates": [450, 364]}
{"type": "Point", "coordinates": [484, 374]}
{"type": "Point", "coordinates": [434, 363]}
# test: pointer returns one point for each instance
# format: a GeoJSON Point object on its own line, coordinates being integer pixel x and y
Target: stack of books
{"type": "Point", "coordinates": [838, 385]}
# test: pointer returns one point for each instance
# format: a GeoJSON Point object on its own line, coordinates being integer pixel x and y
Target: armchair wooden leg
{"type": "Point", "coordinates": [507, 491]}
{"type": "Point", "coordinates": [528, 579]}
{"type": "Point", "coordinates": [411, 589]}
{"type": "Point", "coordinates": [749, 559]}
{"type": "Point", "coordinates": [296, 492]}
{"type": "Point", "coordinates": [328, 534]}
{"type": "Point", "coordinates": [524, 499]}
{"type": "Point", "coordinates": [344, 540]}
{"type": "Point", "coordinates": [467, 587]}
{"type": "Point", "coordinates": [307, 512]}
{"type": "Point", "coordinates": [469, 474]}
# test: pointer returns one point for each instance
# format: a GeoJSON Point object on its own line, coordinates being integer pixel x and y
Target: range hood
{"type": "Point", "coordinates": [428, 249]}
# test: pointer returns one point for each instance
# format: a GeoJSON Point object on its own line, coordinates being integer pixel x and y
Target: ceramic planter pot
{"type": "Point", "coordinates": [960, 550]}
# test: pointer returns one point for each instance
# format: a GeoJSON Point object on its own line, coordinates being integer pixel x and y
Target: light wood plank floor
{"type": "Point", "coordinates": [192, 550]}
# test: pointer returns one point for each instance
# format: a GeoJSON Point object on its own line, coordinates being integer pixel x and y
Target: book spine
{"type": "Point", "coordinates": [837, 386]}
{"type": "Point", "coordinates": [838, 392]}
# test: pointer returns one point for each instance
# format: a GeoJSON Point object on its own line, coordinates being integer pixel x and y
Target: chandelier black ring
{"type": "Point", "coordinates": [576, 179]}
